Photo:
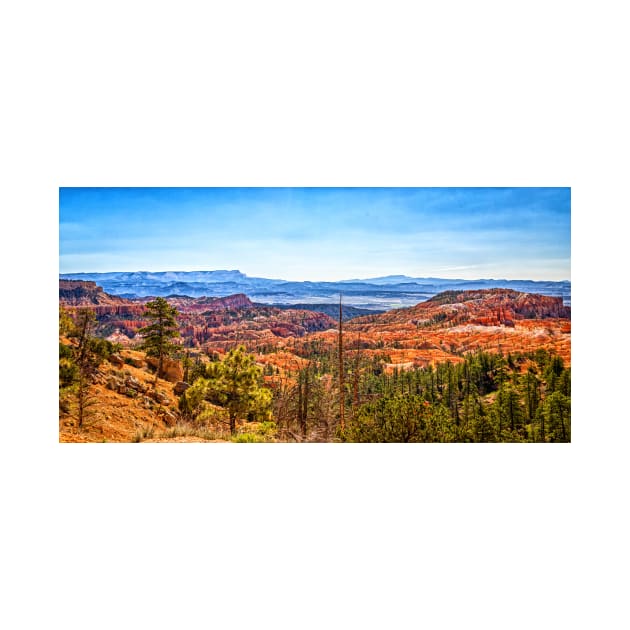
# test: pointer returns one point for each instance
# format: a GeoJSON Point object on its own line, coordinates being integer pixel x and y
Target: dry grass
{"type": "Point", "coordinates": [119, 418]}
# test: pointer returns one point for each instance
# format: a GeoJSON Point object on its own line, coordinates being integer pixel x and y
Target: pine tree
{"type": "Point", "coordinates": [482, 427]}
{"type": "Point", "coordinates": [158, 334]}
{"type": "Point", "coordinates": [530, 387]}
{"type": "Point", "coordinates": [86, 362]}
{"type": "Point", "coordinates": [511, 409]}
{"type": "Point", "coordinates": [556, 414]}
{"type": "Point", "coordinates": [564, 382]}
{"type": "Point", "coordinates": [396, 418]}
{"type": "Point", "coordinates": [237, 384]}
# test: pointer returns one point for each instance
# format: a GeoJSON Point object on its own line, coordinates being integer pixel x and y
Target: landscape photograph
{"type": "Point", "coordinates": [316, 267]}
{"type": "Point", "coordinates": [314, 315]}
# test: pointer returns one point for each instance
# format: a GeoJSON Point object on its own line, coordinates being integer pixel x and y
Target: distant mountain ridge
{"type": "Point", "coordinates": [381, 293]}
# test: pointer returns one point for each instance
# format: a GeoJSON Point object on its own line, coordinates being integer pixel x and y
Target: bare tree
{"type": "Point", "coordinates": [86, 362]}
{"type": "Point", "coordinates": [355, 376]}
{"type": "Point", "coordinates": [341, 375]}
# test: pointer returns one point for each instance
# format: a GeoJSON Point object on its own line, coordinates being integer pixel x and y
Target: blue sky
{"type": "Point", "coordinates": [319, 233]}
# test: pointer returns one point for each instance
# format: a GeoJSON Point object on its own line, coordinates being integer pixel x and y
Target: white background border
{"type": "Point", "coordinates": [330, 94]}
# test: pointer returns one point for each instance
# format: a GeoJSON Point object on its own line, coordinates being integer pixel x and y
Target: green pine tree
{"type": "Point", "coordinates": [159, 333]}
{"type": "Point", "coordinates": [235, 383]}
{"type": "Point", "coordinates": [556, 415]}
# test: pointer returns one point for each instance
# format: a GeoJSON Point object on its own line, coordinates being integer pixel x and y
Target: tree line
{"type": "Point", "coordinates": [341, 395]}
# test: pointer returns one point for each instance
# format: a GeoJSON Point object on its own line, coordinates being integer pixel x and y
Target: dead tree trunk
{"type": "Point", "coordinates": [341, 379]}
{"type": "Point", "coordinates": [355, 378]}
{"type": "Point", "coordinates": [304, 410]}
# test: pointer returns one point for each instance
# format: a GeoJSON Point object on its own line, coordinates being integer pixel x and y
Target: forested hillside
{"type": "Point", "coordinates": [478, 366]}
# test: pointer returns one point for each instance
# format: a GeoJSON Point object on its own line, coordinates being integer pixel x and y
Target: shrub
{"type": "Point", "coordinates": [266, 429]}
{"type": "Point", "coordinates": [247, 437]}
{"type": "Point", "coordinates": [143, 434]}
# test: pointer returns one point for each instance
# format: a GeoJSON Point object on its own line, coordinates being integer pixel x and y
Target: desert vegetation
{"type": "Point", "coordinates": [483, 366]}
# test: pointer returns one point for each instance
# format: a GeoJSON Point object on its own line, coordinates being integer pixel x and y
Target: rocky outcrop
{"type": "Point", "coordinates": [110, 310]}
{"type": "Point", "coordinates": [239, 300]}
{"type": "Point", "coordinates": [86, 293]}
{"type": "Point", "coordinates": [532, 306]}
{"type": "Point", "coordinates": [136, 362]}
{"type": "Point", "coordinates": [310, 321]}
{"type": "Point", "coordinates": [129, 386]}
{"type": "Point", "coordinates": [116, 360]}
{"type": "Point", "coordinates": [118, 337]}
{"type": "Point", "coordinates": [487, 307]}
{"type": "Point", "coordinates": [210, 304]}
{"type": "Point", "coordinates": [180, 388]}
{"type": "Point", "coordinates": [126, 385]}
{"type": "Point", "coordinates": [223, 320]}
{"type": "Point", "coordinates": [453, 323]}
{"type": "Point", "coordinates": [72, 291]}
{"type": "Point", "coordinates": [172, 369]}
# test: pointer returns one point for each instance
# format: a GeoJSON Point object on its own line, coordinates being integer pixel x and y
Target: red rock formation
{"type": "Point", "coordinates": [487, 307]}
{"type": "Point", "coordinates": [86, 293]}
{"type": "Point", "coordinates": [231, 302]}
{"type": "Point", "coordinates": [454, 323]}
{"type": "Point", "coordinates": [440, 329]}
{"type": "Point", "coordinates": [172, 369]}
{"type": "Point", "coordinates": [221, 322]}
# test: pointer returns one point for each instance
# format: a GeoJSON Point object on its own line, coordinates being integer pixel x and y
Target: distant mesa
{"type": "Point", "coordinates": [374, 294]}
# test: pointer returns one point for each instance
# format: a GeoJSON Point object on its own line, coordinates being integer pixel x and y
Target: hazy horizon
{"type": "Point", "coordinates": [320, 234]}
{"type": "Point", "coordinates": [344, 279]}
